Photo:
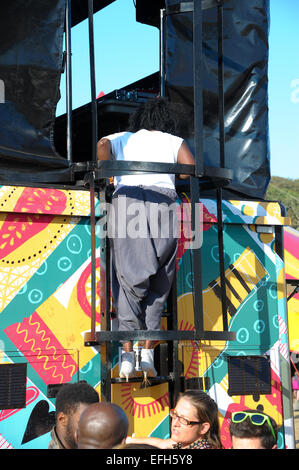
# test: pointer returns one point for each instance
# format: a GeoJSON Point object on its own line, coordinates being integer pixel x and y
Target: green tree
{"type": "Point", "coordinates": [286, 190]}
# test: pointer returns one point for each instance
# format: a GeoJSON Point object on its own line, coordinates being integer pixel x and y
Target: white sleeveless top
{"type": "Point", "coordinates": [145, 146]}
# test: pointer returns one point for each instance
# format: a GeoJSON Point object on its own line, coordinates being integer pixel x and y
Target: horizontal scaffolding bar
{"type": "Point", "coordinates": [107, 168]}
{"type": "Point", "coordinates": [180, 335]}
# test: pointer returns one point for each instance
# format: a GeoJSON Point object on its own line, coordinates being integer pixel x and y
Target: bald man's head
{"type": "Point", "coordinates": [102, 426]}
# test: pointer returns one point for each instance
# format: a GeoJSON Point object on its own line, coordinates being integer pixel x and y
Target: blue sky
{"type": "Point", "coordinates": [126, 51]}
{"type": "Point", "coordinates": [284, 88]}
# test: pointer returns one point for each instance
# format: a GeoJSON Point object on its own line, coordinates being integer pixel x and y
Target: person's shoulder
{"type": "Point", "coordinates": [118, 135]}
{"type": "Point", "coordinates": [167, 136]}
{"type": "Point", "coordinates": [53, 443]}
{"type": "Point", "coordinates": [173, 137]}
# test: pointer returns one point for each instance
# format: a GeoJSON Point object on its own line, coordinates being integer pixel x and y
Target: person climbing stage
{"type": "Point", "coordinates": [143, 263]}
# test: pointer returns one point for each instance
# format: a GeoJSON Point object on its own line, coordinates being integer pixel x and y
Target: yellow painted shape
{"type": "Point", "coordinates": [266, 238]}
{"type": "Point", "coordinates": [251, 268]}
{"type": "Point", "coordinates": [68, 325]}
{"type": "Point", "coordinates": [77, 201]}
{"type": "Point", "coordinates": [271, 208]}
{"type": "Point", "coordinates": [14, 275]}
{"type": "Point", "coordinates": [291, 264]}
{"type": "Point", "coordinates": [248, 210]}
{"type": "Point", "coordinates": [281, 285]}
{"type": "Point", "coordinates": [198, 358]}
{"type": "Point", "coordinates": [251, 271]}
{"type": "Point", "coordinates": [268, 408]}
{"type": "Point", "coordinates": [12, 279]}
{"type": "Point", "coordinates": [50, 237]}
{"type": "Point", "coordinates": [191, 357]}
{"type": "Point", "coordinates": [263, 213]}
{"type": "Point", "coordinates": [145, 408]}
{"type": "Point", "coordinates": [276, 220]}
{"type": "Point", "coordinates": [293, 323]}
{"type": "Point", "coordinates": [9, 196]}
{"type": "Point", "coordinates": [237, 287]}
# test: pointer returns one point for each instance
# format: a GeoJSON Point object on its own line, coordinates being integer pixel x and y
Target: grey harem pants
{"type": "Point", "coordinates": [143, 237]}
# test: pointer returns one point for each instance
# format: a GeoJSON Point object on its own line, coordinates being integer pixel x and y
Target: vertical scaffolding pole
{"type": "Point", "coordinates": [162, 52]}
{"type": "Point", "coordinates": [199, 164]}
{"type": "Point", "coordinates": [219, 192]}
{"type": "Point", "coordinates": [173, 346]}
{"type": "Point", "coordinates": [93, 251]}
{"type": "Point", "coordinates": [69, 93]}
{"type": "Point", "coordinates": [105, 348]}
{"type": "Point", "coordinates": [92, 174]}
{"type": "Point", "coordinates": [198, 87]}
{"type": "Point", "coordinates": [172, 322]}
{"type": "Point", "coordinates": [94, 116]}
{"type": "Point", "coordinates": [220, 83]}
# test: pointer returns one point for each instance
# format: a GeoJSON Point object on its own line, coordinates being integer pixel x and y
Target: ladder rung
{"type": "Point", "coordinates": [195, 382]}
{"type": "Point", "coordinates": [155, 380]}
{"type": "Point", "coordinates": [179, 335]}
{"type": "Point", "coordinates": [164, 314]}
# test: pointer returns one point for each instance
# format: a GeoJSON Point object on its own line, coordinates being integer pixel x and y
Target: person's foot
{"type": "Point", "coordinates": [127, 366]}
{"type": "Point", "coordinates": [147, 363]}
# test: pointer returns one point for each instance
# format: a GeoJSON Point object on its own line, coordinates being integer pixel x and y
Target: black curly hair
{"type": "Point", "coordinates": [157, 114]}
{"type": "Point", "coordinates": [71, 395]}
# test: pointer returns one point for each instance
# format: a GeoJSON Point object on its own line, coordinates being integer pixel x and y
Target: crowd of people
{"type": "Point", "coordinates": [83, 422]}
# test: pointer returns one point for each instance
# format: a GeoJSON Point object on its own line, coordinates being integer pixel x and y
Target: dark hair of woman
{"type": "Point", "coordinates": [207, 411]}
{"type": "Point", "coordinates": [157, 114]}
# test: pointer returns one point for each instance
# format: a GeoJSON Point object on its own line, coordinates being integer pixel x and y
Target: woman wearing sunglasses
{"type": "Point", "coordinates": [252, 429]}
{"type": "Point", "coordinates": [194, 424]}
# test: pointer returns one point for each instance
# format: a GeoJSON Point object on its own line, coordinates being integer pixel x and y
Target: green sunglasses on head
{"type": "Point", "coordinates": [256, 418]}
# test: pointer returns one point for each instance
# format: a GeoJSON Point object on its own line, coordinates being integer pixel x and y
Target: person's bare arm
{"type": "Point", "coordinates": [185, 157]}
{"type": "Point", "coordinates": [153, 441]}
{"type": "Point", "coordinates": [104, 149]}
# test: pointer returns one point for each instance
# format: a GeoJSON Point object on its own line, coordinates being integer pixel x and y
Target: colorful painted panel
{"type": "Point", "coordinates": [291, 253]}
{"type": "Point", "coordinates": [45, 295]}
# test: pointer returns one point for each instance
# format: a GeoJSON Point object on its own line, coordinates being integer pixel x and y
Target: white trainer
{"type": "Point", "coordinates": [147, 363]}
{"type": "Point", "coordinates": [127, 368]}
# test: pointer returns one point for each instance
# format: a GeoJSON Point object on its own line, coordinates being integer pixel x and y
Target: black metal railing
{"type": "Point", "coordinates": [201, 177]}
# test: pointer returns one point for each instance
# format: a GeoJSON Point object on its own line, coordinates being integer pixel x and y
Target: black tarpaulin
{"type": "Point", "coordinates": [245, 51]}
{"type": "Point", "coordinates": [30, 68]}
{"type": "Point", "coordinates": [79, 9]}
{"type": "Point", "coordinates": [31, 61]}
